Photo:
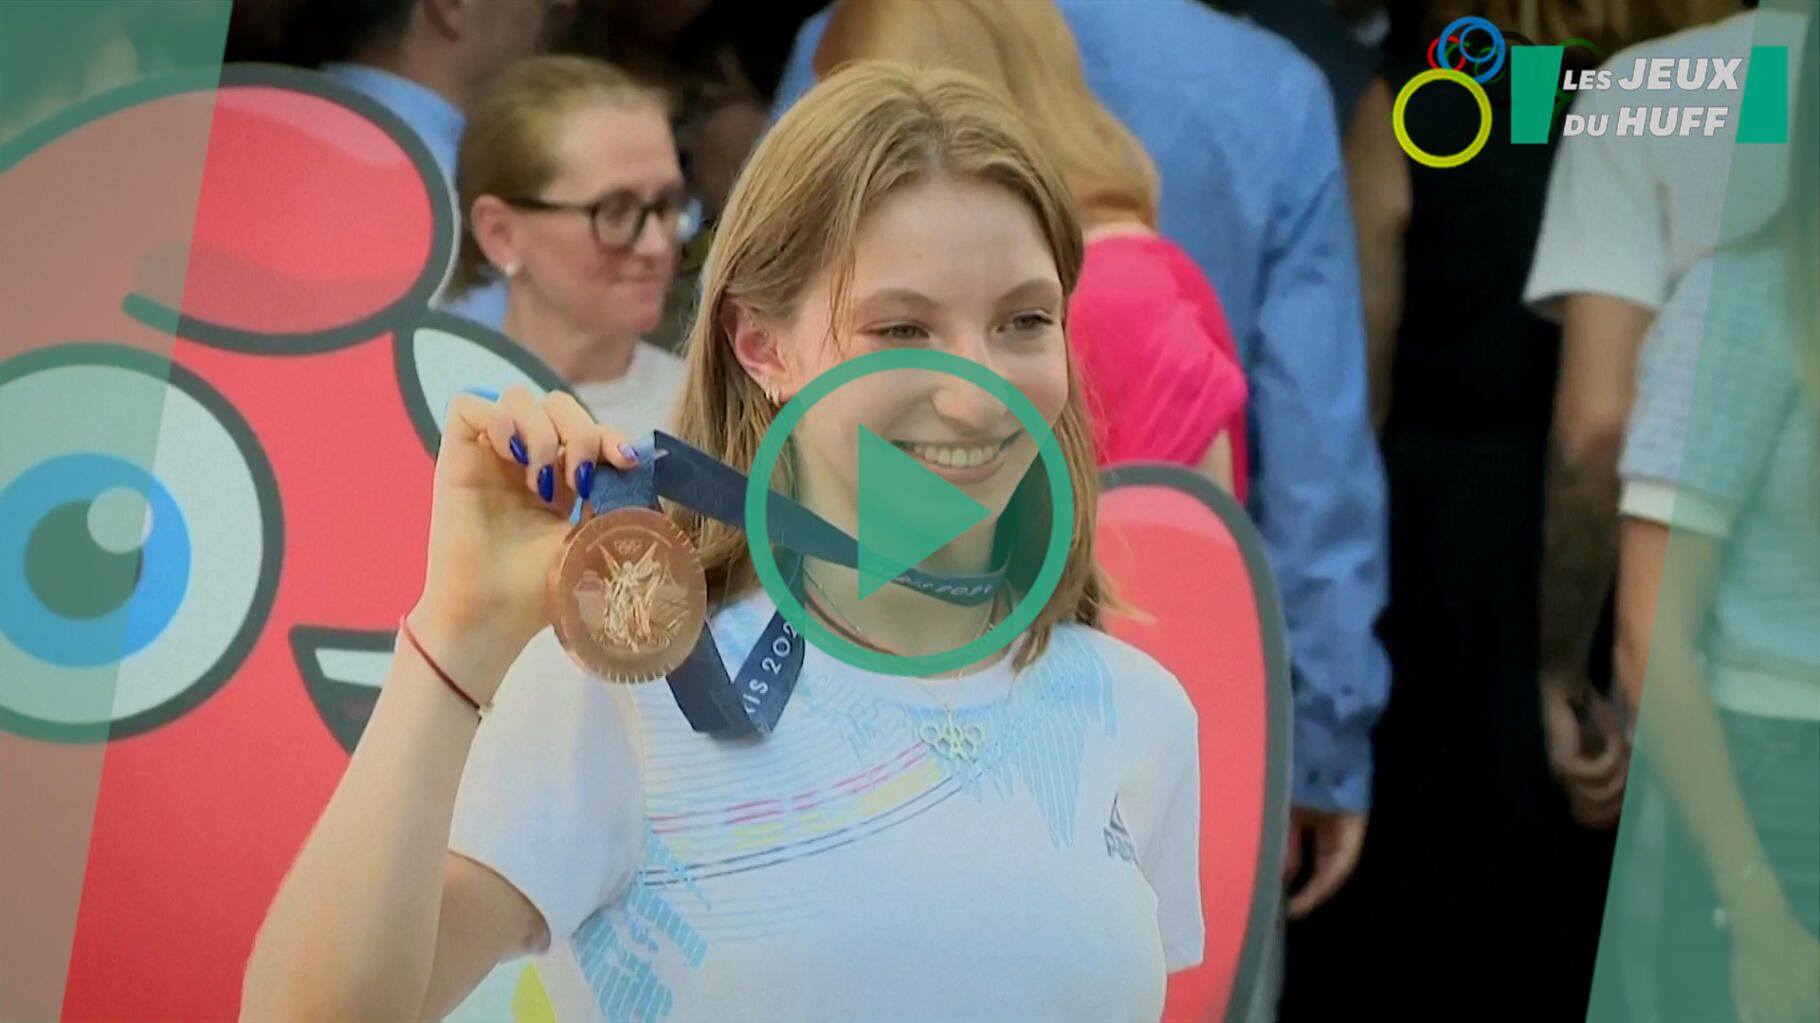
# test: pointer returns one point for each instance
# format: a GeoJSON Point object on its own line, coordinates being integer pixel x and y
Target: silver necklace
{"type": "Point", "coordinates": [950, 739]}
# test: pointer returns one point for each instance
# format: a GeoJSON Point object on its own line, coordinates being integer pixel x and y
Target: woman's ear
{"type": "Point", "coordinates": [755, 346]}
{"type": "Point", "coordinates": [496, 232]}
{"type": "Point", "coordinates": [447, 17]}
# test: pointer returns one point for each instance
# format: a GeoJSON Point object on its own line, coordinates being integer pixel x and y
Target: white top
{"type": "Point", "coordinates": [840, 870]}
{"type": "Point", "coordinates": [1628, 215]}
{"type": "Point", "coordinates": [1744, 689]}
{"type": "Point", "coordinates": [1720, 444]}
{"type": "Point", "coordinates": [642, 399]}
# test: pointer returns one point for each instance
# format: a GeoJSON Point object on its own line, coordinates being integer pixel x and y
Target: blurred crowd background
{"type": "Point", "coordinates": [1460, 403]}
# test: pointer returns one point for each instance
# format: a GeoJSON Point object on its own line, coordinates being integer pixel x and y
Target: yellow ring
{"type": "Point", "coordinates": [1417, 153]}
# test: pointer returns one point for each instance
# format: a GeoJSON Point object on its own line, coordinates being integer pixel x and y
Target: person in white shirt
{"type": "Point", "coordinates": [1626, 217]}
{"type": "Point", "coordinates": [573, 195]}
{"type": "Point", "coordinates": [1719, 590]}
{"type": "Point", "coordinates": [842, 867]}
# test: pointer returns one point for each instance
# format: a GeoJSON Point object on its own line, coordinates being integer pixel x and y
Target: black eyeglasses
{"type": "Point", "coordinates": [618, 218]}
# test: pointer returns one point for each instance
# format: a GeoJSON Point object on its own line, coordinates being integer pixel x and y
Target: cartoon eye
{"type": "Point", "coordinates": [447, 355]}
{"type": "Point", "coordinates": [140, 538]}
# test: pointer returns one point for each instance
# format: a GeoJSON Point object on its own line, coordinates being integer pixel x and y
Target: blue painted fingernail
{"type": "Point", "coordinates": [629, 451]}
{"type": "Point", "coordinates": [584, 479]}
{"type": "Point", "coordinates": [519, 452]}
{"type": "Point", "coordinates": [546, 483]}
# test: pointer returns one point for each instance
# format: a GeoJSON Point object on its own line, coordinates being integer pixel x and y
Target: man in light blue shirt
{"type": "Point", "coordinates": [423, 60]}
{"type": "Point", "coordinates": [1241, 127]}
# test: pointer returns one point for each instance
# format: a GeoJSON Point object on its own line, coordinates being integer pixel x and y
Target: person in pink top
{"type": "Point", "coordinates": [1158, 357]}
{"type": "Point", "coordinates": [1163, 378]}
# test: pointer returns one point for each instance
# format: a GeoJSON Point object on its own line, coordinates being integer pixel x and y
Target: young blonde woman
{"type": "Point", "coordinates": [1163, 376]}
{"type": "Point", "coordinates": [840, 867]}
{"type": "Point", "coordinates": [573, 195]}
{"type": "Point", "coordinates": [1718, 593]}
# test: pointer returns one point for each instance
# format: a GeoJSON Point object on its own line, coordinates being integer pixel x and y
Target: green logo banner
{"type": "Point", "coordinates": [63, 64]}
{"type": "Point", "coordinates": [1651, 104]}
{"type": "Point", "coordinates": [1764, 118]}
{"type": "Point", "coordinates": [1534, 73]}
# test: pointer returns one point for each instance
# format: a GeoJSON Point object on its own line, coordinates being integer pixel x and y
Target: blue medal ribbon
{"type": "Point", "coordinates": [753, 702]}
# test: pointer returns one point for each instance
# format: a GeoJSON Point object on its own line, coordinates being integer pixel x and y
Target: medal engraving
{"type": "Point", "coordinates": [628, 595]}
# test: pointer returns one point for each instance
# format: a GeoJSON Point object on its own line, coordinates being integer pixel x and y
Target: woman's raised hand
{"type": "Point", "coordinates": [507, 478]}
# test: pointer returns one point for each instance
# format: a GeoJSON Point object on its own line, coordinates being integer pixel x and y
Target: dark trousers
{"type": "Point", "coordinates": [1476, 896]}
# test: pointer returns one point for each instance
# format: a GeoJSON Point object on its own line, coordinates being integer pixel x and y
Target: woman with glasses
{"type": "Point", "coordinates": [569, 178]}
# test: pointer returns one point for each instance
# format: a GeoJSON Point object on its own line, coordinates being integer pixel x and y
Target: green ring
{"type": "Point", "coordinates": [1061, 519]}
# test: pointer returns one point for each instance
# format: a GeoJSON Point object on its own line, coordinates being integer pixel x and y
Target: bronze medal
{"type": "Point", "coordinates": [628, 596]}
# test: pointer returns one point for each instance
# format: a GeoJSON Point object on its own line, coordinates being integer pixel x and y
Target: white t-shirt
{"type": "Point", "coordinates": [1720, 444]}
{"type": "Point", "coordinates": [839, 870]}
{"type": "Point", "coordinates": [1627, 216]}
{"type": "Point", "coordinates": [641, 400]}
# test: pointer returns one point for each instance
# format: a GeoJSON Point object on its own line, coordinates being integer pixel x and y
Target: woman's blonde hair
{"type": "Point", "coordinates": [1611, 25]}
{"type": "Point", "coordinates": [796, 212]}
{"type": "Point", "coordinates": [508, 148]}
{"type": "Point", "coordinates": [1025, 50]}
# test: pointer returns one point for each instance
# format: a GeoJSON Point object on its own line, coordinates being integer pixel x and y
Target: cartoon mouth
{"type": "Point", "coordinates": [343, 670]}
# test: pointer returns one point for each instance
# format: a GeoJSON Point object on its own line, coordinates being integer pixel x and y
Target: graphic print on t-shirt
{"type": "Point", "coordinates": [730, 825]}
{"type": "Point", "coordinates": [1118, 839]}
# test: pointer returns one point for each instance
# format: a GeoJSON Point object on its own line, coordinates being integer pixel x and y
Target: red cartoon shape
{"type": "Point", "coordinates": [219, 349]}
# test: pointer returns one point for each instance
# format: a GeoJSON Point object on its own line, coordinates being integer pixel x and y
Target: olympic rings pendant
{"type": "Point", "coordinates": [954, 741]}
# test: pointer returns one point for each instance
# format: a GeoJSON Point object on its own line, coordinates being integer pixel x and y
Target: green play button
{"type": "Point", "coordinates": [906, 512]}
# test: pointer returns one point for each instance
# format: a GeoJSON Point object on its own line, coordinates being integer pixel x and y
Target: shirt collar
{"type": "Point", "coordinates": [437, 121]}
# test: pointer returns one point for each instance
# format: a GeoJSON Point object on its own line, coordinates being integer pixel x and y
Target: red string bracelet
{"type": "Point", "coordinates": [404, 626]}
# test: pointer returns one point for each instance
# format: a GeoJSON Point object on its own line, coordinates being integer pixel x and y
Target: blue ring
{"type": "Point", "coordinates": [1472, 22]}
{"type": "Point", "coordinates": [164, 578]}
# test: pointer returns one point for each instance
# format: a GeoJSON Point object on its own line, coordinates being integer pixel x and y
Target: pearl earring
{"type": "Point", "coordinates": [512, 269]}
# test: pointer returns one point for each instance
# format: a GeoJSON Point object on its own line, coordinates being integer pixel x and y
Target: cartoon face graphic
{"type": "Point", "coordinates": [220, 384]}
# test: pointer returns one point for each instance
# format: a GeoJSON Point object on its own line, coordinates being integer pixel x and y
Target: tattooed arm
{"type": "Point", "coordinates": [1600, 340]}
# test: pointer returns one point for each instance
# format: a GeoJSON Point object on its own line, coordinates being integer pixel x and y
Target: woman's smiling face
{"type": "Point", "coordinates": [955, 265]}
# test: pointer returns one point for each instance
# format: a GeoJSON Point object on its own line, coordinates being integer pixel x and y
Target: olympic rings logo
{"type": "Point", "coordinates": [1488, 65]}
